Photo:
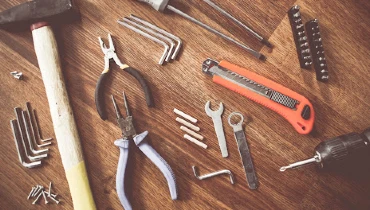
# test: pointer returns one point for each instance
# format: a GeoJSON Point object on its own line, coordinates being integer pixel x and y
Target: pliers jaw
{"type": "Point", "coordinates": [126, 124]}
{"type": "Point", "coordinates": [109, 53]}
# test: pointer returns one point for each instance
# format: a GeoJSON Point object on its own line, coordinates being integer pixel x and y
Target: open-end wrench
{"type": "Point", "coordinates": [217, 122]}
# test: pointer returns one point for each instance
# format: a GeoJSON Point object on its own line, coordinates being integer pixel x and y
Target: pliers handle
{"type": "Point", "coordinates": [163, 166]}
{"type": "Point", "coordinates": [99, 102]}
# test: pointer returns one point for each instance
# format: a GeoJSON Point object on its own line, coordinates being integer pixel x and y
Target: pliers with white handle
{"type": "Point", "coordinates": [128, 133]}
{"type": "Point", "coordinates": [109, 53]}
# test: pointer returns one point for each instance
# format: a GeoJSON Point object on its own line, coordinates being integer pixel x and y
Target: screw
{"type": "Point", "coordinates": [46, 200]}
{"type": "Point", "coordinates": [35, 201]}
{"type": "Point", "coordinates": [55, 200]}
{"type": "Point", "coordinates": [29, 195]}
{"type": "Point", "coordinates": [49, 188]}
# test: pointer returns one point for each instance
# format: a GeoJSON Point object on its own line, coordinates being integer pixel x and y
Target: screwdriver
{"type": "Point", "coordinates": [340, 152]}
{"type": "Point", "coordinates": [161, 5]}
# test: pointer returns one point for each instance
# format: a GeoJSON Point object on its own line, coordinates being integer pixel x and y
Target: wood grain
{"type": "Point", "coordinates": [342, 106]}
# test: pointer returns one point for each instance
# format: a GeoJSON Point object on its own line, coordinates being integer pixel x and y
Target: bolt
{"type": "Point", "coordinates": [29, 195]}
{"type": "Point", "coordinates": [35, 201]}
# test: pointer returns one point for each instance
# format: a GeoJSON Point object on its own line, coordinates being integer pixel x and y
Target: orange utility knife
{"type": "Point", "coordinates": [292, 106]}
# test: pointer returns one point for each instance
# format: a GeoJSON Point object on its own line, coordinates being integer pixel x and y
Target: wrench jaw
{"type": "Point", "coordinates": [212, 113]}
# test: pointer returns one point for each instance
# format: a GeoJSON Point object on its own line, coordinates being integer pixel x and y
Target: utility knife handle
{"type": "Point", "coordinates": [158, 161]}
{"type": "Point", "coordinates": [123, 145]}
{"type": "Point", "coordinates": [302, 119]}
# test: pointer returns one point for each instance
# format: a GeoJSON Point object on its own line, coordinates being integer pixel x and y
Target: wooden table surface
{"type": "Point", "coordinates": [341, 106]}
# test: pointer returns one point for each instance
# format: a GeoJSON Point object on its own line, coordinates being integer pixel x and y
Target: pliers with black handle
{"type": "Point", "coordinates": [109, 53]}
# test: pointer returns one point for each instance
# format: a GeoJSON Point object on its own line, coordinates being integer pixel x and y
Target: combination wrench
{"type": "Point", "coordinates": [217, 121]}
{"type": "Point", "coordinates": [244, 152]}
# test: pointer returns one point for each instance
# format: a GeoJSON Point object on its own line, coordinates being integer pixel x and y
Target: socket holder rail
{"type": "Point", "coordinates": [317, 50]}
{"type": "Point", "coordinates": [300, 37]}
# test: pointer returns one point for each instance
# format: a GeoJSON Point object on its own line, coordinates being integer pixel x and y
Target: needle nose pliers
{"type": "Point", "coordinates": [128, 132]}
{"type": "Point", "coordinates": [109, 53]}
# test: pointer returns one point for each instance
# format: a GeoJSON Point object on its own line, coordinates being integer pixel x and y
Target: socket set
{"type": "Point", "coordinates": [317, 50]}
{"type": "Point", "coordinates": [300, 37]}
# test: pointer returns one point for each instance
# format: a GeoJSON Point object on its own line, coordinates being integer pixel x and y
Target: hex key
{"type": "Point", "coordinates": [14, 126]}
{"type": "Point", "coordinates": [152, 26]}
{"type": "Point", "coordinates": [149, 37]}
{"type": "Point", "coordinates": [29, 156]}
{"type": "Point", "coordinates": [30, 118]}
{"type": "Point", "coordinates": [172, 44]}
{"type": "Point", "coordinates": [37, 125]}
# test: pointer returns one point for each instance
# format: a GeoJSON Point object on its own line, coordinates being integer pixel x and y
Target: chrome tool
{"type": "Point", "coordinates": [217, 122]}
{"type": "Point", "coordinates": [161, 5]}
{"type": "Point", "coordinates": [206, 176]}
{"type": "Point", "coordinates": [129, 133]}
{"type": "Point", "coordinates": [245, 155]}
{"type": "Point", "coordinates": [250, 31]}
{"type": "Point", "coordinates": [154, 27]}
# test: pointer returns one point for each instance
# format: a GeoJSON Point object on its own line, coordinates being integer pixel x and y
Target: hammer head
{"type": "Point", "coordinates": [23, 15]}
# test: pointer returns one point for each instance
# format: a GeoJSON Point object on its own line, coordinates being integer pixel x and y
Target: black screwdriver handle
{"type": "Point", "coordinates": [344, 151]}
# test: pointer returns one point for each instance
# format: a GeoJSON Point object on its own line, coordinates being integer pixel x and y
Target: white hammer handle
{"type": "Point", "coordinates": [61, 113]}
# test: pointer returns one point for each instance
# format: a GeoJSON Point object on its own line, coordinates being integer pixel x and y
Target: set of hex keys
{"type": "Point", "coordinates": [171, 43]}
{"type": "Point", "coordinates": [306, 40]}
{"type": "Point", "coordinates": [26, 132]}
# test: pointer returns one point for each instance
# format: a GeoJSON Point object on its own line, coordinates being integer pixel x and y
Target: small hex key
{"type": "Point", "coordinates": [152, 26]}
{"type": "Point", "coordinates": [154, 39]}
{"type": "Point", "coordinates": [172, 44]}
{"type": "Point", "coordinates": [14, 126]}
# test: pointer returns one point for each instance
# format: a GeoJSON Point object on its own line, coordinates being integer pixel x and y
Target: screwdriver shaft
{"type": "Point", "coordinates": [255, 34]}
{"type": "Point", "coordinates": [315, 159]}
{"type": "Point", "coordinates": [209, 28]}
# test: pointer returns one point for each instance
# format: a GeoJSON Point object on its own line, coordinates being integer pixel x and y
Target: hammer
{"type": "Point", "coordinates": [38, 14]}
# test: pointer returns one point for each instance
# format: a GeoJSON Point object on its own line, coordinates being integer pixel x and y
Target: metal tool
{"type": "Point", "coordinates": [248, 29]}
{"type": "Point", "coordinates": [128, 133]}
{"type": "Point", "coordinates": [17, 75]}
{"type": "Point", "coordinates": [245, 155]}
{"type": "Point", "coordinates": [159, 35]}
{"type": "Point", "coordinates": [37, 126]}
{"type": "Point", "coordinates": [154, 27]}
{"type": "Point", "coordinates": [109, 53]}
{"type": "Point", "coordinates": [154, 39]}
{"type": "Point", "coordinates": [31, 140]}
{"type": "Point", "coordinates": [24, 137]}
{"type": "Point", "coordinates": [217, 122]}
{"type": "Point", "coordinates": [38, 15]}
{"type": "Point", "coordinates": [292, 106]}
{"type": "Point", "coordinates": [14, 126]}
{"type": "Point", "coordinates": [161, 5]}
{"type": "Point", "coordinates": [206, 176]}
{"type": "Point", "coordinates": [317, 50]}
{"type": "Point", "coordinates": [339, 153]}
{"type": "Point", "coordinates": [31, 118]}
{"type": "Point", "coordinates": [300, 38]}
